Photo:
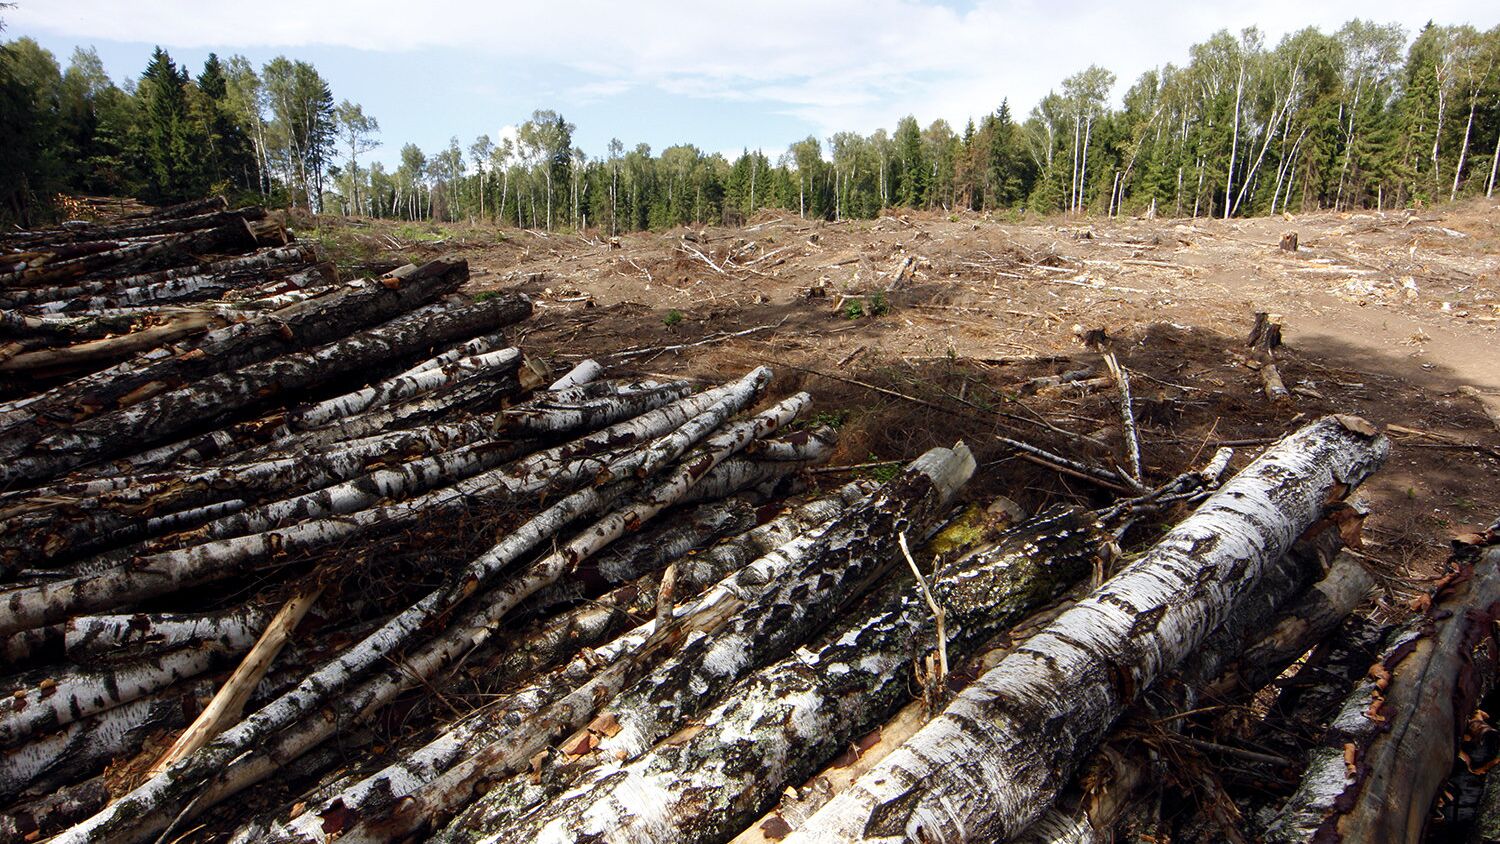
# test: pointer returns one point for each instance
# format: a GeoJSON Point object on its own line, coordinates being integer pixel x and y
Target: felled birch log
{"type": "Point", "coordinates": [159, 417]}
{"type": "Point", "coordinates": [255, 265]}
{"type": "Point", "coordinates": [798, 446]}
{"type": "Point", "coordinates": [69, 520]}
{"type": "Point", "coordinates": [543, 417]}
{"type": "Point", "coordinates": [171, 224]}
{"type": "Point", "coordinates": [229, 701]}
{"type": "Point", "coordinates": [45, 362]}
{"type": "Point", "coordinates": [405, 386]}
{"type": "Point", "coordinates": [53, 330]}
{"type": "Point", "coordinates": [1392, 744]}
{"type": "Point", "coordinates": [36, 606]}
{"type": "Point", "coordinates": [483, 344]}
{"type": "Point", "coordinates": [444, 775]}
{"type": "Point", "coordinates": [851, 556]}
{"type": "Point", "coordinates": [126, 256]}
{"type": "Point", "coordinates": [1310, 619]}
{"type": "Point", "coordinates": [838, 567]}
{"type": "Point", "coordinates": [140, 812]}
{"type": "Point", "coordinates": [582, 373]}
{"type": "Point", "coordinates": [60, 700]}
{"type": "Point", "coordinates": [83, 745]}
{"type": "Point", "coordinates": [193, 290]}
{"type": "Point", "coordinates": [299, 326]}
{"type": "Point", "coordinates": [802, 802]}
{"type": "Point", "coordinates": [640, 556]}
{"type": "Point", "coordinates": [112, 638]}
{"type": "Point", "coordinates": [1310, 556]}
{"type": "Point", "coordinates": [778, 725]}
{"type": "Point", "coordinates": [1000, 753]}
{"type": "Point", "coordinates": [40, 818]}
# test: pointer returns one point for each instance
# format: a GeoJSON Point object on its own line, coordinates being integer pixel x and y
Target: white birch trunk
{"type": "Point", "coordinates": [993, 761]}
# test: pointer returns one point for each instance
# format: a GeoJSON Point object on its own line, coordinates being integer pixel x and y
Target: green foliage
{"type": "Point", "coordinates": [1355, 118]}
{"type": "Point", "coordinates": [883, 473]}
{"type": "Point", "coordinates": [672, 318]}
{"type": "Point", "coordinates": [877, 305]}
{"type": "Point", "coordinates": [853, 309]}
{"type": "Point", "coordinates": [834, 419]}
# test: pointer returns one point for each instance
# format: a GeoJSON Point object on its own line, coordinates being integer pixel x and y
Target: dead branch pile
{"type": "Point", "coordinates": [345, 569]}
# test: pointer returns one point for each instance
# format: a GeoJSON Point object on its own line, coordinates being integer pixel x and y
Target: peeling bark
{"type": "Point", "coordinates": [444, 775]}
{"type": "Point", "coordinates": [999, 754]}
{"type": "Point", "coordinates": [780, 723]}
{"type": "Point", "coordinates": [203, 777]}
{"type": "Point", "coordinates": [1392, 744]}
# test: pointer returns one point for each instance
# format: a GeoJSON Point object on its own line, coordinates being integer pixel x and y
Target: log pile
{"type": "Point", "coordinates": [352, 568]}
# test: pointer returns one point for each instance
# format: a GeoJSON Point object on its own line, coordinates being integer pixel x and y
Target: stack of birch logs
{"type": "Point", "coordinates": [352, 568]}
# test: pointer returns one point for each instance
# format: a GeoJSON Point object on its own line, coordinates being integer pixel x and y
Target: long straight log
{"type": "Point", "coordinates": [540, 416]}
{"type": "Point", "coordinates": [36, 606]}
{"type": "Point", "coordinates": [66, 697]}
{"type": "Point", "coordinates": [734, 636]}
{"type": "Point", "coordinates": [1088, 815]}
{"type": "Point", "coordinates": [639, 557]}
{"type": "Point", "coordinates": [210, 218]}
{"type": "Point", "coordinates": [779, 724]}
{"type": "Point", "coordinates": [70, 520]}
{"type": "Point", "coordinates": [190, 289]}
{"type": "Point", "coordinates": [1000, 753]}
{"type": "Point", "coordinates": [83, 745]}
{"type": "Point", "coordinates": [1392, 744]}
{"type": "Point", "coordinates": [157, 418]}
{"type": "Point", "coordinates": [140, 813]}
{"type": "Point", "coordinates": [68, 358]}
{"type": "Point", "coordinates": [112, 638]}
{"type": "Point", "coordinates": [587, 624]}
{"type": "Point", "coordinates": [484, 344]}
{"type": "Point", "coordinates": [254, 265]}
{"type": "Point", "coordinates": [442, 776]}
{"type": "Point", "coordinates": [799, 803]}
{"type": "Point", "coordinates": [855, 553]}
{"type": "Point", "coordinates": [244, 442]}
{"type": "Point", "coordinates": [299, 326]}
{"type": "Point", "coordinates": [54, 330]}
{"type": "Point", "coordinates": [405, 386]}
{"type": "Point", "coordinates": [125, 256]}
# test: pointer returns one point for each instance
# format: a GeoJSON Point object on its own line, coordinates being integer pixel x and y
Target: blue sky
{"type": "Point", "coordinates": [721, 75]}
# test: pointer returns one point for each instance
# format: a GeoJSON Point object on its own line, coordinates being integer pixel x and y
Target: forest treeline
{"type": "Point", "coordinates": [1363, 117]}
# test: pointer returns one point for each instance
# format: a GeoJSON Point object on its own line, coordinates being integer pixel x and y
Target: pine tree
{"type": "Point", "coordinates": [168, 141]}
{"type": "Point", "coordinates": [911, 165]}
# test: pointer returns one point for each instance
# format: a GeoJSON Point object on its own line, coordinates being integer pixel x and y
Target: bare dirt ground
{"type": "Point", "coordinates": [1394, 317]}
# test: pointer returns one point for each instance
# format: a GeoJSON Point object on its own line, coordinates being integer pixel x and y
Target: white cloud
{"type": "Point", "coordinates": [837, 64]}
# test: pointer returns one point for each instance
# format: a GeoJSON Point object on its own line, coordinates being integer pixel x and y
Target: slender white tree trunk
{"type": "Point", "coordinates": [1463, 153]}
{"type": "Point", "coordinates": [1489, 189]}
{"type": "Point", "coordinates": [1234, 140]}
